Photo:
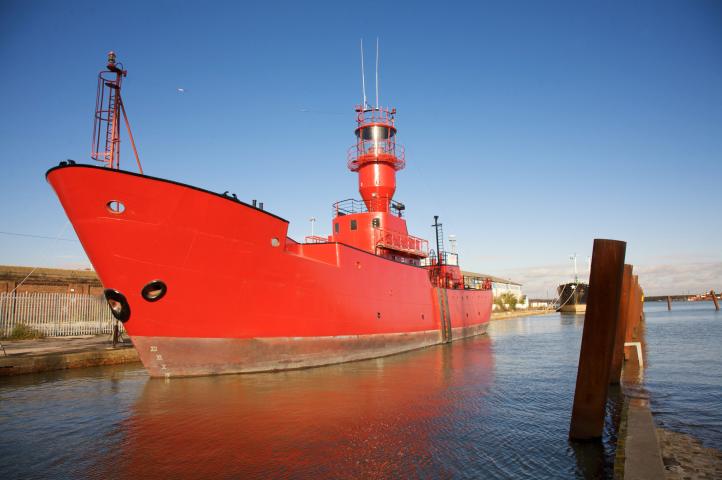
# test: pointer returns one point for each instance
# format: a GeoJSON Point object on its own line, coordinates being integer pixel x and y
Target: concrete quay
{"type": "Point", "coordinates": [59, 353]}
{"type": "Point", "coordinates": [645, 451]}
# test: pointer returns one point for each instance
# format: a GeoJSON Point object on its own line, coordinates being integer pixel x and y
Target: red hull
{"type": "Point", "coordinates": [241, 296]}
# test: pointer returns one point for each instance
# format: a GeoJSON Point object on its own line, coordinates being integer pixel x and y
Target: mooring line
{"type": "Point", "coordinates": [55, 240]}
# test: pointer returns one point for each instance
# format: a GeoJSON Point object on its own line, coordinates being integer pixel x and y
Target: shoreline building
{"type": "Point", "coordinates": [48, 280]}
{"type": "Point", "coordinates": [499, 286]}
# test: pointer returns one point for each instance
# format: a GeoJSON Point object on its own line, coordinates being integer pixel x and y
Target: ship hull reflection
{"type": "Point", "coordinates": [377, 418]}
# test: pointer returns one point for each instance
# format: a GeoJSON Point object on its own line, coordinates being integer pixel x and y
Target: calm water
{"type": "Point", "coordinates": [489, 407]}
{"type": "Point", "coordinates": [684, 368]}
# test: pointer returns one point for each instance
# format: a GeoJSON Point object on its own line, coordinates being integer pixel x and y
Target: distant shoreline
{"type": "Point", "coordinates": [519, 313]}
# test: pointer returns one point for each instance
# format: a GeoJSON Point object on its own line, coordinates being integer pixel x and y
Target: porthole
{"type": "Point", "coordinates": [275, 242]}
{"type": "Point", "coordinates": [115, 206]}
{"type": "Point", "coordinates": [118, 304]}
{"type": "Point", "coordinates": [378, 315]}
{"type": "Point", "coordinates": [154, 291]}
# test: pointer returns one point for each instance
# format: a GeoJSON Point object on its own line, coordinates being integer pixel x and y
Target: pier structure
{"type": "Point", "coordinates": [613, 322]}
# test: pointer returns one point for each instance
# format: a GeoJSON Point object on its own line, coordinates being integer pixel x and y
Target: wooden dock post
{"type": "Point", "coordinates": [714, 299]}
{"type": "Point", "coordinates": [590, 395]}
{"type": "Point", "coordinates": [669, 303]}
{"type": "Point", "coordinates": [621, 331]}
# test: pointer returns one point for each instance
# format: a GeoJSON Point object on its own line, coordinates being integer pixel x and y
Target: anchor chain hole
{"type": "Point", "coordinates": [154, 291]}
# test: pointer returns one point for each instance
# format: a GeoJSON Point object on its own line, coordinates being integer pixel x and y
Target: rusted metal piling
{"type": "Point", "coordinates": [669, 303]}
{"type": "Point", "coordinates": [634, 328]}
{"type": "Point", "coordinates": [714, 299]}
{"type": "Point", "coordinates": [635, 311]}
{"type": "Point", "coordinates": [600, 328]}
{"type": "Point", "coordinates": [621, 330]}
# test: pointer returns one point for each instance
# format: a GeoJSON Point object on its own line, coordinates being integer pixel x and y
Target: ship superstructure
{"type": "Point", "coordinates": [572, 296]}
{"type": "Point", "coordinates": [206, 283]}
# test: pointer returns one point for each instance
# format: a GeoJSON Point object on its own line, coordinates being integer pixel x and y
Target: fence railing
{"type": "Point", "coordinates": [447, 258]}
{"type": "Point", "coordinates": [352, 205]}
{"type": "Point", "coordinates": [401, 242]}
{"type": "Point", "coordinates": [56, 314]}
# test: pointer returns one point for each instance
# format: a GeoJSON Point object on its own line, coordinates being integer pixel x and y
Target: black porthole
{"type": "Point", "coordinates": [118, 304]}
{"type": "Point", "coordinates": [154, 291]}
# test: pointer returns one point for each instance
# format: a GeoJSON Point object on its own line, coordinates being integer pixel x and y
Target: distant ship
{"type": "Point", "coordinates": [572, 296]}
{"type": "Point", "coordinates": [207, 284]}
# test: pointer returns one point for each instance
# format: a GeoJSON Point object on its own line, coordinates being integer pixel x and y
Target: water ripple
{"type": "Point", "coordinates": [488, 407]}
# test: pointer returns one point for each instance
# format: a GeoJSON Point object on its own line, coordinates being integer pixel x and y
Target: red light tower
{"type": "Point", "coordinates": [376, 224]}
{"type": "Point", "coordinates": [376, 156]}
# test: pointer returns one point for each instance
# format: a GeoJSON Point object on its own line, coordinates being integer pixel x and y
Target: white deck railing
{"type": "Point", "coordinates": [56, 314]}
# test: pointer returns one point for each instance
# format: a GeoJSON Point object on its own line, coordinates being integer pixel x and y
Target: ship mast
{"type": "Point", "coordinates": [576, 274]}
{"type": "Point", "coordinates": [108, 111]}
{"type": "Point", "coordinates": [376, 156]}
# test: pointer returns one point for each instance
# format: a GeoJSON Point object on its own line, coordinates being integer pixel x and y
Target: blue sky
{"type": "Point", "coordinates": [531, 128]}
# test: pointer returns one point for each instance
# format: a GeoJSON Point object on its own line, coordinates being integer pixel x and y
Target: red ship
{"type": "Point", "coordinates": [207, 284]}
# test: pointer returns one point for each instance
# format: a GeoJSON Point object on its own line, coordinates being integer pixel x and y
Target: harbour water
{"type": "Point", "coordinates": [684, 368]}
{"type": "Point", "coordinates": [496, 406]}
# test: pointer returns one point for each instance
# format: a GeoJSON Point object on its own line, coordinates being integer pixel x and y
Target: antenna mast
{"type": "Point", "coordinates": [363, 76]}
{"type": "Point", "coordinates": [377, 73]}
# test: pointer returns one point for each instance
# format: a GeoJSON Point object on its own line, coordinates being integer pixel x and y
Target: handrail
{"type": "Point", "coordinates": [315, 239]}
{"type": "Point", "coordinates": [366, 115]}
{"type": "Point", "coordinates": [447, 258]}
{"type": "Point", "coordinates": [350, 206]}
{"type": "Point", "coordinates": [475, 282]}
{"type": "Point", "coordinates": [402, 242]}
{"type": "Point", "coordinates": [369, 151]}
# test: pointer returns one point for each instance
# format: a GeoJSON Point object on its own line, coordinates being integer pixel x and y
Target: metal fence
{"type": "Point", "coordinates": [56, 314]}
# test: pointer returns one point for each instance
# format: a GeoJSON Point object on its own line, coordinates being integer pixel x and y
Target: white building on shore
{"type": "Point", "coordinates": [499, 286]}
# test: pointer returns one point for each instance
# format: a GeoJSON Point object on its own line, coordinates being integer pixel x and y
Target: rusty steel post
{"type": "Point", "coordinates": [623, 316]}
{"type": "Point", "coordinates": [639, 314]}
{"type": "Point", "coordinates": [590, 395]}
{"type": "Point", "coordinates": [714, 299]}
{"type": "Point", "coordinates": [669, 303]}
{"type": "Point", "coordinates": [633, 319]}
